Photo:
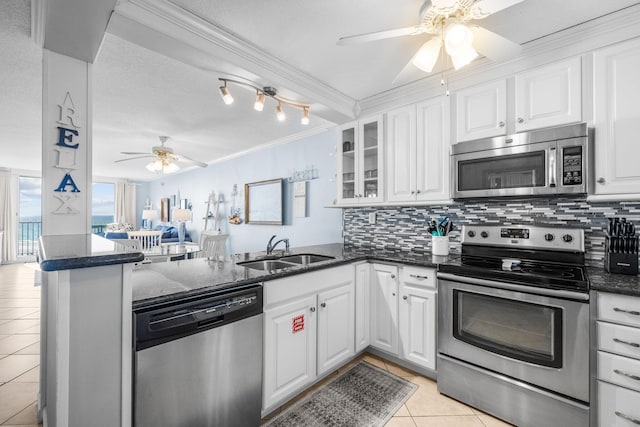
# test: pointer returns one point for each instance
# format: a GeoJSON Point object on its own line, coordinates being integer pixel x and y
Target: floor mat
{"type": "Point", "coordinates": [365, 395]}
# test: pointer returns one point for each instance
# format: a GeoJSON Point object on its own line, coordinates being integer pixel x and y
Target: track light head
{"type": "Point", "coordinates": [280, 113]}
{"type": "Point", "coordinates": [226, 96]}
{"type": "Point", "coordinates": [305, 116]}
{"type": "Point", "coordinates": [259, 104]}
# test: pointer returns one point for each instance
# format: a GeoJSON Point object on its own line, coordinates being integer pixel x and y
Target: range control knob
{"type": "Point", "coordinates": [471, 233]}
{"type": "Point", "coordinates": [549, 237]}
{"type": "Point", "coordinates": [567, 238]}
{"type": "Point", "coordinates": [484, 234]}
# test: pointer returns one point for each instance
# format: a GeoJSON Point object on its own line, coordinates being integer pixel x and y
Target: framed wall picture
{"type": "Point", "coordinates": [164, 209]}
{"type": "Point", "coordinates": [263, 202]}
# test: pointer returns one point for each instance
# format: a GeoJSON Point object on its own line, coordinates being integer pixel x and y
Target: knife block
{"type": "Point", "coordinates": [622, 263]}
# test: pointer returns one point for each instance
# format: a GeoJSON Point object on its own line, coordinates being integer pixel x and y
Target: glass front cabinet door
{"type": "Point", "coordinates": [360, 162]}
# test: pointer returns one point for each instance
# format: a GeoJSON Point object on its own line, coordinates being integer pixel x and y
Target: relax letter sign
{"type": "Point", "coordinates": [67, 151]}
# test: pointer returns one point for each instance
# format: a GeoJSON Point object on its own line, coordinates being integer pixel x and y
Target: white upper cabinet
{"type": "Point", "coordinates": [418, 152]}
{"type": "Point", "coordinates": [617, 118]}
{"type": "Point", "coordinates": [360, 162]}
{"type": "Point", "coordinates": [549, 95]}
{"type": "Point", "coordinates": [546, 96]}
{"type": "Point", "coordinates": [481, 111]}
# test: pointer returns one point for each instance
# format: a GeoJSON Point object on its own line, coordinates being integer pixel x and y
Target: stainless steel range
{"type": "Point", "coordinates": [513, 320]}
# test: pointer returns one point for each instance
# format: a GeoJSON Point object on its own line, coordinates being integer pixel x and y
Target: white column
{"type": "Point", "coordinates": [66, 145]}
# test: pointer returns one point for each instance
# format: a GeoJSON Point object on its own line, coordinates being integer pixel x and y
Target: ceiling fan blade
{"type": "Point", "coordinates": [183, 158]}
{"type": "Point", "coordinates": [484, 8]}
{"type": "Point", "coordinates": [134, 158]}
{"type": "Point", "coordinates": [131, 153]}
{"type": "Point", "coordinates": [380, 35]}
{"type": "Point", "coordinates": [492, 45]}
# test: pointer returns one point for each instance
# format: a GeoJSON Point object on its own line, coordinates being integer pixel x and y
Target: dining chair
{"type": "Point", "coordinates": [147, 238]}
{"type": "Point", "coordinates": [128, 245]}
{"type": "Point", "coordinates": [212, 245]}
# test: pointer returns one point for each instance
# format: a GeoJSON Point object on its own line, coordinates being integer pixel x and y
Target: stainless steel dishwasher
{"type": "Point", "coordinates": [198, 362]}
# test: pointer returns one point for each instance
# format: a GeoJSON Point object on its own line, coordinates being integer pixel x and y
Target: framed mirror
{"type": "Point", "coordinates": [263, 202]}
{"type": "Point", "coordinates": [164, 209]}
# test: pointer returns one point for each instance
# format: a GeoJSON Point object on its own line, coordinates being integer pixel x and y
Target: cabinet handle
{"type": "Point", "coordinates": [631, 312]}
{"type": "Point", "coordinates": [627, 417]}
{"type": "Point", "coordinates": [312, 309]}
{"type": "Point", "coordinates": [419, 277]}
{"type": "Point", "coordinates": [417, 191]}
{"type": "Point", "coordinates": [404, 297]}
{"type": "Point", "coordinates": [393, 294]}
{"type": "Point", "coordinates": [626, 374]}
{"type": "Point", "coordinates": [632, 344]}
{"type": "Point", "coordinates": [413, 192]}
{"type": "Point", "coordinates": [501, 124]}
{"type": "Point", "coordinates": [520, 120]}
{"type": "Point", "coordinates": [393, 276]}
{"type": "Point", "coordinates": [323, 305]}
{"type": "Point", "coordinates": [601, 180]}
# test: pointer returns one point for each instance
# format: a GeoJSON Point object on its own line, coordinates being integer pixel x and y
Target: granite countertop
{"type": "Point", "coordinates": [66, 252]}
{"type": "Point", "coordinates": [158, 283]}
{"type": "Point", "coordinates": [623, 284]}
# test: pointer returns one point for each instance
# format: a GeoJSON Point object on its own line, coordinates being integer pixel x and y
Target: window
{"type": "Point", "coordinates": [102, 205]}
{"type": "Point", "coordinates": [30, 219]}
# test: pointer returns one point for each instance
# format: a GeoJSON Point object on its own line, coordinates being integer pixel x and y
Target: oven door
{"type": "Point", "coordinates": [537, 339]}
{"type": "Point", "coordinates": [521, 170]}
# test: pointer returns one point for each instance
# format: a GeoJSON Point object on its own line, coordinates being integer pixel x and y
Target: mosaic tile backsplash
{"type": "Point", "coordinates": [406, 227]}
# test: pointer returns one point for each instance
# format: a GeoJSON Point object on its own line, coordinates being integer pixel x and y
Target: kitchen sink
{"type": "Point", "coordinates": [305, 259]}
{"type": "Point", "coordinates": [267, 264]}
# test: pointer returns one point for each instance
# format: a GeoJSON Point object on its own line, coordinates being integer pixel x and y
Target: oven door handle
{"type": "Point", "coordinates": [514, 287]}
{"type": "Point", "coordinates": [552, 167]}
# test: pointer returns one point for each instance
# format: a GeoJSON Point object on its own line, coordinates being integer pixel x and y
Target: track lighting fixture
{"type": "Point", "coordinates": [259, 104]}
{"type": "Point", "coordinates": [226, 96]}
{"type": "Point", "coordinates": [280, 112]}
{"type": "Point", "coordinates": [269, 91]}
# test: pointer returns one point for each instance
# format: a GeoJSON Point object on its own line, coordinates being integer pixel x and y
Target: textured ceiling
{"type": "Point", "coordinates": [140, 94]}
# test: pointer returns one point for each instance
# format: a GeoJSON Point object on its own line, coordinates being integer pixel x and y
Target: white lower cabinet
{"type": "Point", "coordinates": [618, 337]}
{"type": "Point", "coordinates": [384, 307]}
{"type": "Point", "coordinates": [335, 326]}
{"type": "Point", "coordinates": [417, 319]}
{"type": "Point", "coordinates": [290, 353]}
{"type": "Point", "coordinates": [363, 299]}
{"type": "Point", "coordinates": [308, 330]}
{"type": "Point", "coordinates": [403, 312]}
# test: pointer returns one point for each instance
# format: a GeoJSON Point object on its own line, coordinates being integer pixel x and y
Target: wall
{"type": "Point", "coordinates": [406, 227]}
{"type": "Point", "coordinates": [322, 225]}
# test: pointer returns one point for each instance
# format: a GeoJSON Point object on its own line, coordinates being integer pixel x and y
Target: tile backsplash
{"type": "Point", "coordinates": [406, 227]}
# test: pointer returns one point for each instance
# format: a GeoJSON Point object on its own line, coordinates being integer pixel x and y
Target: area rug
{"type": "Point", "coordinates": [365, 395]}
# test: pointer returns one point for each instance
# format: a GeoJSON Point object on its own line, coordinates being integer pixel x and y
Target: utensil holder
{"type": "Point", "coordinates": [621, 262]}
{"type": "Point", "coordinates": [440, 245]}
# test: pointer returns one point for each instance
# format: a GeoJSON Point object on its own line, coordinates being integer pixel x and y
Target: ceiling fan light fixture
{"type": "Point", "coordinates": [259, 104]}
{"type": "Point", "coordinates": [305, 116]}
{"type": "Point", "coordinates": [427, 56]}
{"type": "Point", "coordinates": [170, 167]}
{"type": "Point", "coordinates": [458, 39]}
{"type": "Point", "coordinates": [155, 166]}
{"type": "Point", "coordinates": [226, 96]}
{"type": "Point", "coordinates": [463, 57]}
{"type": "Point", "coordinates": [280, 113]}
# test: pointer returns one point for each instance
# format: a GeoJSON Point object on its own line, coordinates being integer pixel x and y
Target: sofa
{"type": "Point", "coordinates": [169, 234]}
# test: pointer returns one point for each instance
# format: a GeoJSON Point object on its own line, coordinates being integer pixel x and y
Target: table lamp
{"type": "Point", "coordinates": [147, 216]}
{"type": "Point", "coordinates": [181, 216]}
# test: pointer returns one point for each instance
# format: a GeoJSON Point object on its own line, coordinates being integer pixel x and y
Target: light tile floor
{"type": "Point", "coordinates": [425, 408]}
{"type": "Point", "coordinates": [19, 344]}
{"type": "Point", "coordinates": [19, 370]}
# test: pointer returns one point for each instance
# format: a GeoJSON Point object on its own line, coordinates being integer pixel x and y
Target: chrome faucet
{"type": "Point", "coordinates": [271, 247]}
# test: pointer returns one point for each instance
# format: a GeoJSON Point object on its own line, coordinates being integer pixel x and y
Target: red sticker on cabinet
{"type": "Point", "coordinates": [297, 324]}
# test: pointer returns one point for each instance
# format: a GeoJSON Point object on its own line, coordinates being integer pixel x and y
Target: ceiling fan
{"type": "Point", "coordinates": [445, 21]}
{"type": "Point", "coordinates": [165, 159]}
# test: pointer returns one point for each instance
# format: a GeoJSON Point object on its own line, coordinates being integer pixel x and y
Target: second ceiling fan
{"type": "Point", "coordinates": [446, 21]}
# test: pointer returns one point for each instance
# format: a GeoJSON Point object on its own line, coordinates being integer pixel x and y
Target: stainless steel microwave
{"type": "Point", "coordinates": [549, 161]}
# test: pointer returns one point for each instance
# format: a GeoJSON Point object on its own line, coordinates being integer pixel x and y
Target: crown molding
{"type": "Point", "coordinates": [578, 40]}
{"type": "Point", "coordinates": [201, 37]}
{"type": "Point", "coordinates": [38, 9]}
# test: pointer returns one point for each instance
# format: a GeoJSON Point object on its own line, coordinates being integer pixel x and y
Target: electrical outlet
{"type": "Point", "coordinates": [372, 218]}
